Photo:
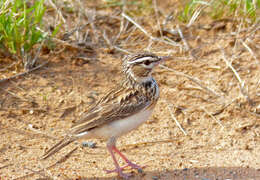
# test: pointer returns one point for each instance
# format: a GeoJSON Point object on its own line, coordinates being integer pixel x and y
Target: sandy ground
{"type": "Point", "coordinates": [221, 123]}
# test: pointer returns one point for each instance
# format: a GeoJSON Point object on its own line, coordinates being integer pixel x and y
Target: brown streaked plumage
{"type": "Point", "coordinates": [121, 110]}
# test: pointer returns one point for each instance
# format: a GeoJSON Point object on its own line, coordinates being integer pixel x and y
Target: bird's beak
{"type": "Point", "coordinates": [162, 59]}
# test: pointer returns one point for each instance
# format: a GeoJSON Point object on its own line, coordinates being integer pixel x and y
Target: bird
{"type": "Point", "coordinates": [121, 110]}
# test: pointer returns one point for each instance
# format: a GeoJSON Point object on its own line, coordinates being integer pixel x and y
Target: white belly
{"type": "Point", "coordinates": [123, 126]}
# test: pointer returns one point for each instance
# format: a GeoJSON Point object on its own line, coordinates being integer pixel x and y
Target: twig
{"type": "Point", "coordinates": [194, 17]}
{"type": "Point", "coordinates": [241, 83]}
{"type": "Point", "coordinates": [146, 33]}
{"type": "Point", "coordinates": [91, 15]}
{"type": "Point", "coordinates": [107, 40]}
{"type": "Point", "coordinates": [255, 27]}
{"type": "Point", "coordinates": [186, 46]}
{"type": "Point", "coordinates": [168, 18]}
{"type": "Point", "coordinates": [170, 41]}
{"type": "Point", "coordinates": [24, 73]}
{"type": "Point", "coordinates": [213, 117]}
{"type": "Point", "coordinates": [59, 12]}
{"type": "Point", "coordinates": [198, 11]}
{"type": "Point", "coordinates": [157, 16]}
{"type": "Point", "coordinates": [121, 22]}
{"type": "Point", "coordinates": [223, 108]}
{"type": "Point", "coordinates": [176, 121]}
{"type": "Point", "coordinates": [129, 32]}
{"type": "Point", "coordinates": [138, 26]}
{"type": "Point", "coordinates": [37, 54]}
{"type": "Point", "coordinates": [68, 34]}
{"type": "Point", "coordinates": [122, 50]}
{"type": "Point", "coordinates": [9, 66]}
{"type": "Point", "coordinates": [237, 37]}
{"type": "Point", "coordinates": [15, 95]}
{"type": "Point", "coordinates": [113, 46]}
{"type": "Point", "coordinates": [249, 49]}
{"type": "Point", "coordinates": [149, 45]}
{"type": "Point", "coordinates": [195, 80]}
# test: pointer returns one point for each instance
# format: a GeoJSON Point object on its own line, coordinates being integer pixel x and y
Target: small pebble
{"type": "Point", "coordinates": [140, 171]}
{"type": "Point", "coordinates": [89, 144]}
{"type": "Point", "coordinates": [155, 178]}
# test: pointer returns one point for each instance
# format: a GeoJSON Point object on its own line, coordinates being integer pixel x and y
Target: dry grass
{"type": "Point", "coordinates": [206, 123]}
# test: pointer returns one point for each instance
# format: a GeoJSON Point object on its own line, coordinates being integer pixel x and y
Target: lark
{"type": "Point", "coordinates": [121, 110]}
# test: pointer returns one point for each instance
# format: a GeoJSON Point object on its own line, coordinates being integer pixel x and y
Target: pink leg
{"type": "Point", "coordinates": [129, 163]}
{"type": "Point", "coordinates": [118, 168]}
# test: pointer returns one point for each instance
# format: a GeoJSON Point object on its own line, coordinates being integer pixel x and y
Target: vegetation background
{"type": "Point", "coordinates": [58, 57]}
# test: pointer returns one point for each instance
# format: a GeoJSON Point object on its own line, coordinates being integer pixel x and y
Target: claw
{"type": "Point", "coordinates": [118, 169]}
{"type": "Point", "coordinates": [130, 164]}
{"type": "Point", "coordinates": [115, 170]}
{"type": "Point", "coordinates": [135, 166]}
{"type": "Point", "coordinates": [119, 172]}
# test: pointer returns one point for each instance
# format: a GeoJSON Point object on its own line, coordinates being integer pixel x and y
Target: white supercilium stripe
{"type": "Point", "coordinates": [140, 59]}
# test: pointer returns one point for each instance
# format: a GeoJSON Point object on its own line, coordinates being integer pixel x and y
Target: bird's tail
{"type": "Point", "coordinates": [61, 144]}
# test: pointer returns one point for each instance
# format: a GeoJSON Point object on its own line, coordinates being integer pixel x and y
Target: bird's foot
{"type": "Point", "coordinates": [115, 170]}
{"type": "Point", "coordinates": [119, 171]}
{"type": "Point", "coordinates": [135, 166]}
{"type": "Point", "coordinates": [129, 164]}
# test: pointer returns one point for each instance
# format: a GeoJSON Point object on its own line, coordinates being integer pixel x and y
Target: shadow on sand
{"type": "Point", "coordinates": [210, 173]}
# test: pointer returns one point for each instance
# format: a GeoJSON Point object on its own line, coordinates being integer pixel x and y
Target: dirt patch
{"type": "Point", "coordinates": [219, 116]}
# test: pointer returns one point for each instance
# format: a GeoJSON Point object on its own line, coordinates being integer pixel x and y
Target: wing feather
{"type": "Point", "coordinates": [115, 105]}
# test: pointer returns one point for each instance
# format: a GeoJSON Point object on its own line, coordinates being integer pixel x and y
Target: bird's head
{"type": "Point", "coordinates": [139, 66]}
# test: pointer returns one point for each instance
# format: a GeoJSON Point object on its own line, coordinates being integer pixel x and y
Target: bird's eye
{"type": "Point", "coordinates": [147, 63]}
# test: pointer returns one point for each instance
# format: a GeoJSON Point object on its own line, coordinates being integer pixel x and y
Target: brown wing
{"type": "Point", "coordinates": [117, 104]}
